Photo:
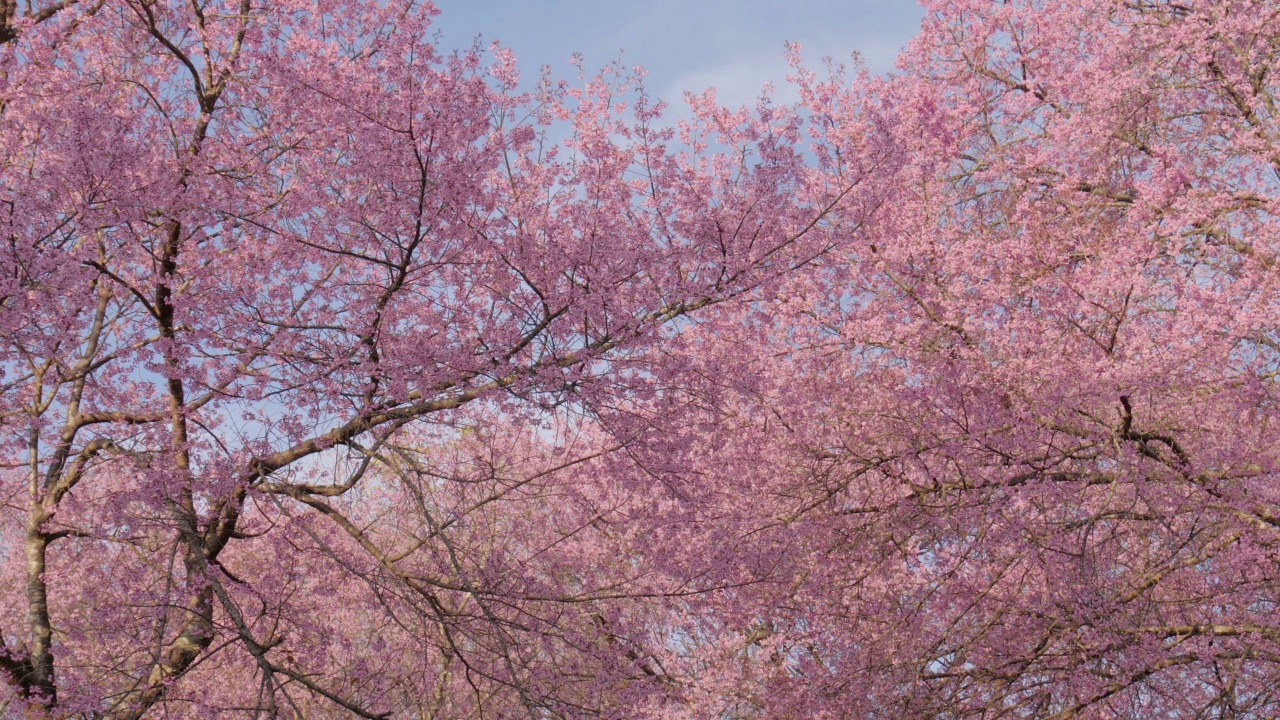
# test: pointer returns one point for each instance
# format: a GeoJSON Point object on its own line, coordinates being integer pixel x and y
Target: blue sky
{"type": "Point", "coordinates": [734, 45]}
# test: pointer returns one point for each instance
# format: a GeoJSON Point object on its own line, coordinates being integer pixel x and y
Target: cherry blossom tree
{"type": "Point", "coordinates": [1017, 441]}
{"type": "Point", "coordinates": [302, 322]}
